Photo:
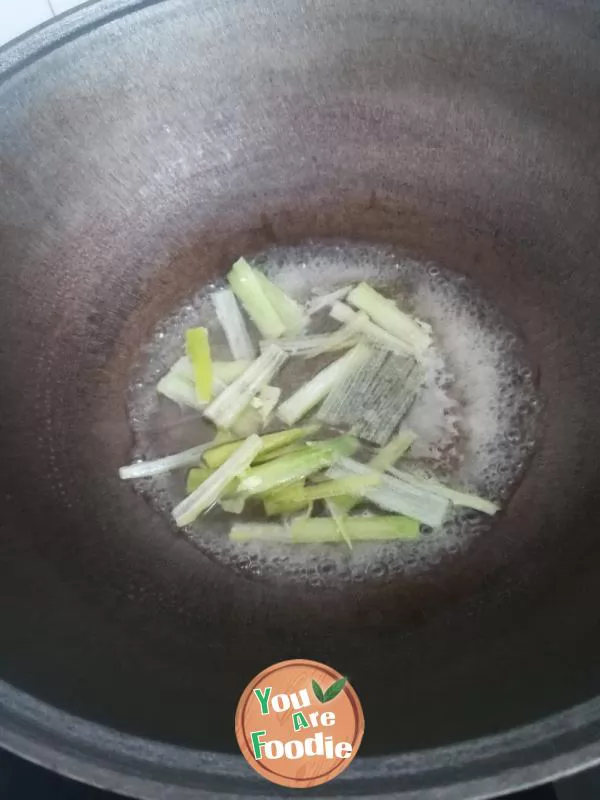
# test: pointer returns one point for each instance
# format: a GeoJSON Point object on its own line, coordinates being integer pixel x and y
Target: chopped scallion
{"type": "Point", "coordinates": [215, 456]}
{"type": "Point", "coordinates": [321, 301]}
{"type": "Point", "coordinates": [148, 469]}
{"type": "Point", "coordinates": [233, 324]}
{"type": "Point", "coordinates": [393, 494]}
{"type": "Point", "coordinates": [233, 400]}
{"type": "Point", "coordinates": [456, 496]}
{"type": "Point", "coordinates": [314, 391]}
{"type": "Point", "coordinates": [288, 310]}
{"type": "Point", "coordinates": [387, 315]}
{"type": "Point", "coordinates": [245, 282]}
{"type": "Point", "coordinates": [343, 313]}
{"type": "Point", "coordinates": [198, 351]}
{"type": "Point", "coordinates": [322, 531]}
{"type": "Point", "coordinates": [209, 492]}
{"type": "Point", "coordinates": [287, 469]}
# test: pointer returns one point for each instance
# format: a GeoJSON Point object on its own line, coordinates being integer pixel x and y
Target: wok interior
{"type": "Point", "coordinates": [135, 167]}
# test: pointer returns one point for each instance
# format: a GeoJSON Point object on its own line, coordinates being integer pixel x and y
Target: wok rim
{"type": "Point", "coordinates": [520, 758]}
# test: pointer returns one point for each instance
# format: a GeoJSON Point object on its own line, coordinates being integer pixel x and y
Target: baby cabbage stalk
{"type": "Point", "coordinates": [209, 492]}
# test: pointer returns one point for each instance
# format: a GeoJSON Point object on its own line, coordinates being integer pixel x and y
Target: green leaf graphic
{"type": "Point", "coordinates": [334, 690]}
{"type": "Point", "coordinates": [318, 692]}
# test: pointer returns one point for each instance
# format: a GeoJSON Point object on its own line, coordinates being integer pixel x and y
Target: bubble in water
{"type": "Point", "coordinates": [477, 412]}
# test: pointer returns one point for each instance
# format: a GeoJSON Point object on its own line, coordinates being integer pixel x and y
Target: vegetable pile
{"type": "Point", "coordinates": [321, 464]}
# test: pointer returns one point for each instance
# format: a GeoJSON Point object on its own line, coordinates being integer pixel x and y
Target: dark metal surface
{"type": "Point", "coordinates": [20, 780]}
{"type": "Point", "coordinates": [142, 147]}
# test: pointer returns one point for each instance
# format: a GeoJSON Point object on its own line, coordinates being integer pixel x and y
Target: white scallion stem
{"type": "Point", "coordinates": [342, 339]}
{"type": "Point", "coordinates": [387, 315]}
{"type": "Point", "coordinates": [233, 324]}
{"type": "Point", "coordinates": [179, 390]}
{"type": "Point", "coordinates": [209, 492]}
{"type": "Point", "coordinates": [343, 313]}
{"type": "Point", "coordinates": [322, 301]}
{"type": "Point", "coordinates": [224, 372]}
{"type": "Point", "coordinates": [393, 494]}
{"type": "Point", "coordinates": [288, 310]}
{"type": "Point", "coordinates": [387, 456]}
{"type": "Point", "coordinates": [259, 531]}
{"type": "Point", "coordinates": [312, 393]}
{"type": "Point", "coordinates": [148, 469]}
{"type": "Point", "coordinates": [456, 496]}
{"type": "Point", "coordinates": [323, 530]}
{"type": "Point", "coordinates": [233, 400]}
{"type": "Point", "coordinates": [340, 520]}
{"type": "Point", "coordinates": [269, 395]}
{"type": "Point", "coordinates": [244, 281]}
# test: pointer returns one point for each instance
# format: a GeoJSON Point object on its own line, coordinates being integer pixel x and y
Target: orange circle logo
{"type": "Point", "coordinates": [299, 723]}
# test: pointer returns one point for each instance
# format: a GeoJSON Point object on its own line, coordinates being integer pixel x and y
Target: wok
{"type": "Point", "coordinates": [145, 145]}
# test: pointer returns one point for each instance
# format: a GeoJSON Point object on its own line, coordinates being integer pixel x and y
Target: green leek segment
{"type": "Point", "coordinates": [198, 351]}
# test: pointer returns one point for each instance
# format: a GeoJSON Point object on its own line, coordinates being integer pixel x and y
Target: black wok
{"type": "Point", "coordinates": [143, 146]}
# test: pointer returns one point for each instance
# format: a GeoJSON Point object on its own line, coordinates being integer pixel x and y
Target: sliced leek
{"type": "Point", "coordinates": [209, 492]}
{"type": "Point", "coordinates": [224, 372]}
{"type": "Point", "coordinates": [396, 495]}
{"type": "Point", "coordinates": [321, 301]}
{"type": "Point", "coordinates": [198, 351]}
{"type": "Point", "coordinates": [314, 391]}
{"type": "Point", "coordinates": [215, 456]}
{"type": "Point", "coordinates": [287, 469]}
{"type": "Point", "coordinates": [323, 531]}
{"type": "Point", "coordinates": [456, 496]}
{"type": "Point", "coordinates": [250, 291]}
{"type": "Point", "coordinates": [372, 400]}
{"type": "Point", "coordinates": [388, 316]}
{"type": "Point", "coordinates": [343, 313]}
{"type": "Point", "coordinates": [269, 397]}
{"type": "Point", "coordinates": [158, 466]}
{"type": "Point", "coordinates": [233, 324]}
{"type": "Point", "coordinates": [288, 310]}
{"type": "Point", "coordinates": [233, 400]}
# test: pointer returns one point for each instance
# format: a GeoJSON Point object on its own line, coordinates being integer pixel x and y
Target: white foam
{"type": "Point", "coordinates": [477, 413]}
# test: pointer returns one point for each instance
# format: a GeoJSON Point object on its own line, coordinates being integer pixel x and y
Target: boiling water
{"type": "Point", "coordinates": [475, 418]}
